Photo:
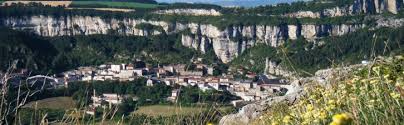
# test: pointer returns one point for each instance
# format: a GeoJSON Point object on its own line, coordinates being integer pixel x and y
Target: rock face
{"type": "Point", "coordinates": [390, 22]}
{"type": "Point", "coordinates": [233, 40]}
{"type": "Point", "coordinates": [227, 43]}
{"type": "Point", "coordinates": [244, 116]}
{"type": "Point", "coordinates": [274, 68]}
{"type": "Point", "coordinates": [80, 25]}
{"type": "Point", "coordinates": [358, 7]}
{"type": "Point", "coordinates": [195, 12]}
{"type": "Point", "coordinates": [252, 111]}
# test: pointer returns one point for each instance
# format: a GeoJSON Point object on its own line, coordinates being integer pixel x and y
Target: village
{"type": "Point", "coordinates": [249, 88]}
{"type": "Point", "coordinates": [252, 88]}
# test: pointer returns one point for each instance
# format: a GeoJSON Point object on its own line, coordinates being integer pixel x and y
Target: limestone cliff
{"type": "Point", "coordinates": [227, 43]}
{"type": "Point", "coordinates": [195, 12]}
{"type": "Point", "coordinates": [358, 7]}
{"type": "Point", "coordinates": [233, 40]}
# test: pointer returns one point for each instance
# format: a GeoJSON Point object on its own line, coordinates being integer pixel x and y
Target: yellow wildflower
{"type": "Point", "coordinates": [286, 119]}
{"type": "Point", "coordinates": [323, 115]}
{"type": "Point", "coordinates": [341, 119]}
{"type": "Point", "coordinates": [330, 107]}
{"type": "Point", "coordinates": [310, 107]}
{"type": "Point", "coordinates": [395, 95]}
{"type": "Point", "coordinates": [331, 101]}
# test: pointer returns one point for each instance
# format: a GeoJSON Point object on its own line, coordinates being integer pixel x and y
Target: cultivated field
{"type": "Point", "coordinates": [50, 3]}
{"type": "Point", "coordinates": [53, 103]}
{"type": "Point", "coordinates": [87, 4]}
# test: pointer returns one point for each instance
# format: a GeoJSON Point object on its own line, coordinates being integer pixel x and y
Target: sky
{"type": "Point", "coordinates": [245, 3]}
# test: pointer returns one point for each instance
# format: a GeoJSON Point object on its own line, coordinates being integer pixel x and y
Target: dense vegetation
{"type": "Point", "coordinates": [27, 50]}
{"type": "Point", "coordinates": [308, 57]}
{"type": "Point", "coordinates": [283, 8]}
{"type": "Point", "coordinates": [56, 54]}
{"type": "Point", "coordinates": [81, 92]}
{"type": "Point", "coordinates": [147, 95]}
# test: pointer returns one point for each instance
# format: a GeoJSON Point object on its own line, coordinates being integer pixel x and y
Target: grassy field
{"type": "Point", "coordinates": [53, 103]}
{"type": "Point", "coordinates": [112, 4]}
{"type": "Point", "coordinates": [50, 3]}
{"type": "Point", "coordinates": [168, 110]}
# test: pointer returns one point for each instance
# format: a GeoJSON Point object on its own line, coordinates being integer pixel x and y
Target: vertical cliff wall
{"type": "Point", "coordinates": [232, 41]}
{"type": "Point", "coordinates": [227, 43]}
{"type": "Point", "coordinates": [358, 7]}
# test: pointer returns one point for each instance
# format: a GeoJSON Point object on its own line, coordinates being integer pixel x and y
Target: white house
{"type": "Point", "coordinates": [214, 85]}
{"type": "Point", "coordinates": [112, 98]}
{"type": "Point", "coordinates": [174, 95]}
{"type": "Point", "coordinates": [150, 82]}
{"type": "Point", "coordinates": [210, 70]}
{"type": "Point", "coordinates": [116, 68]}
{"type": "Point", "coordinates": [126, 74]}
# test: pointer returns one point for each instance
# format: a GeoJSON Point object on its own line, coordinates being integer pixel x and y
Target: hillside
{"type": "Point", "coordinates": [230, 34]}
{"type": "Point", "coordinates": [63, 103]}
{"type": "Point", "coordinates": [57, 54]}
{"type": "Point", "coordinates": [357, 94]}
{"type": "Point", "coordinates": [135, 61]}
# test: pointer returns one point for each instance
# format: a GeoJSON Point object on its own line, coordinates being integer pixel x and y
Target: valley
{"type": "Point", "coordinates": [121, 60]}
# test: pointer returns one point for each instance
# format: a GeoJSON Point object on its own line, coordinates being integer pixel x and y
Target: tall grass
{"type": "Point", "coordinates": [372, 94]}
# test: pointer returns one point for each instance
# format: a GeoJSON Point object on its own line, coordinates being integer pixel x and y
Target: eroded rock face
{"type": "Point", "coordinates": [273, 68]}
{"type": "Point", "coordinates": [244, 116]}
{"type": "Point", "coordinates": [358, 7]}
{"type": "Point", "coordinates": [252, 111]}
{"type": "Point", "coordinates": [80, 25]}
{"type": "Point", "coordinates": [195, 12]}
{"type": "Point", "coordinates": [227, 43]}
{"type": "Point", "coordinates": [389, 22]}
{"type": "Point", "coordinates": [232, 41]}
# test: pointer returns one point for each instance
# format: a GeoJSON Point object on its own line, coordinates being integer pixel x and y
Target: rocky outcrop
{"type": "Point", "coordinates": [389, 22]}
{"type": "Point", "coordinates": [358, 7]}
{"type": "Point", "coordinates": [324, 77]}
{"type": "Point", "coordinates": [81, 25]}
{"type": "Point", "coordinates": [273, 68]}
{"type": "Point", "coordinates": [227, 43]}
{"type": "Point", "coordinates": [303, 14]}
{"type": "Point", "coordinates": [194, 12]}
{"type": "Point", "coordinates": [233, 40]}
{"type": "Point", "coordinates": [244, 116]}
{"type": "Point", "coordinates": [252, 111]}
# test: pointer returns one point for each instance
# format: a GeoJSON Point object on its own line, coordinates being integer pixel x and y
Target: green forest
{"type": "Point", "coordinates": [57, 54]}
{"type": "Point", "coordinates": [307, 57]}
